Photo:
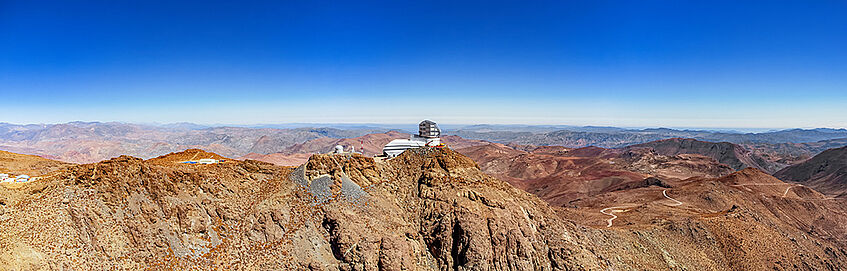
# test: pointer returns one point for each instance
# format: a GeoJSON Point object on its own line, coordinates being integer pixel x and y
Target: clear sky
{"type": "Point", "coordinates": [774, 64]}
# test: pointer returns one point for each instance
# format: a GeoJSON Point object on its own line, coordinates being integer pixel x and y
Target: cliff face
{"type": "Point", "coordinates": [428, 209]}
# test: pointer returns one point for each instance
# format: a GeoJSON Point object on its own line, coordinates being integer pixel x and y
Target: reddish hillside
{"type": "Point", "coordinates": [187, 155]}
{"type": "Point", "coordinates": [17, 164]}
{"type": "Point", "coordinates": [826, 172]}
{"type": "Point", "coordinates": [372, 144]}
{"type": "Point", "coordinates": [457, 142]}
{"type": "Point", "coordinates": [727, 153]}
{"type": "Point", "coordinates": [560, 175]}
{"type": "Point", "coordinates": [428, 209]}
{"type": "Point", "coordinates": [743, 212]}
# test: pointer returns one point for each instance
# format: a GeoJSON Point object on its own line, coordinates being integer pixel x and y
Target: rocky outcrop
{"type": "Point", "coordinates": [428, 209]}
{"type": "Point", "coordinates": [425, 210]}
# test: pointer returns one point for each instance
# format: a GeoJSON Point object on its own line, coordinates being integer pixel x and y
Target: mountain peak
{"type": "Point", "coordinates": [187, 155]}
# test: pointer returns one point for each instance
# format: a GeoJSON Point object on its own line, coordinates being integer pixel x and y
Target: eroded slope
{"type": "Point", "coordinates": [428, 209]}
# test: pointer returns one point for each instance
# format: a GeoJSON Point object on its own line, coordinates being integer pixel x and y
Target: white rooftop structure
{"type": "Point", "coordinates": [207, 161]}
{"type": "Point", "coordinates": [428, 136]}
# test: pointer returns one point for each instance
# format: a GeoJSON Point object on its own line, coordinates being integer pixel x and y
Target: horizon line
{"type": "Point", "coordinates": [319, 124]}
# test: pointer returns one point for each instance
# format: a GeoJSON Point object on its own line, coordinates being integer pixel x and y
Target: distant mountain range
{"type": "Point", "coordinates": [85, 142]}
{"type": "Point", "coordinates": [637, 207]}
{"type": "Point", "coordinates": [608, 137]}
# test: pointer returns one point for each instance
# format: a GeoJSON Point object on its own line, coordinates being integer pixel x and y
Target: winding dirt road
{"type": "Point", "coordinates": [789, 188]}
{"type": "Point", "coordinates": [790, 185]}
{"type": "Point", "coordinates": [611, 212]}
{"type": "Point", "coordinates": [676, 202]}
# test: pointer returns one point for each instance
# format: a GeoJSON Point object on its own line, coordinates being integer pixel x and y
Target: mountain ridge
{"type": "Point", "coordinates": [431, 209]}
{"type": "Point", "coordinates": [825, 172]}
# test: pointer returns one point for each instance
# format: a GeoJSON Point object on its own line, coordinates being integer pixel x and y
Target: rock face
{"type": "Point", "coordinates": [826, 172]}
{"type": "Point", "coordinates": [428, 209]}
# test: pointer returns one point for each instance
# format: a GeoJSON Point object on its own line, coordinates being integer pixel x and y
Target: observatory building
{"type": "Point", "coordinates": [428, 136]}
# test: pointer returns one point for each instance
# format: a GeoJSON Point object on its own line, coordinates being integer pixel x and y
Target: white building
{"type": "Point", "coordinates": [428, 136]}
{"type": "Point", "coordinates": [207, 161]}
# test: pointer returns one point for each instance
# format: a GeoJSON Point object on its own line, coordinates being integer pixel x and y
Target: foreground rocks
{"type": "Point", "coordinates": [428, 209]}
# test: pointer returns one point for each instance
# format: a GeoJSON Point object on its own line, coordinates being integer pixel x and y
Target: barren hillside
{"type": "Point", "coordinates": [428, 209]}
{"type": "Point", "coordinates": [826, 172]}
{"type": "Point", "coordinates": [13, 163]}
{"type": "Point", "coordinates": [561, 175]}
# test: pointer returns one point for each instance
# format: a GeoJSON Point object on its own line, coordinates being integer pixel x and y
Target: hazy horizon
{"type": "Point", "coordinates": [450, 126]}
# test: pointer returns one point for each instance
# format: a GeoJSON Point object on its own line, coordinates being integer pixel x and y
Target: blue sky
{"type": "Point", "coordinates": [749, 64]}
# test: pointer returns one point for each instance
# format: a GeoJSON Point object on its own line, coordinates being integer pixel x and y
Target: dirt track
{"type": "Point", "coordinates": [676, 202]}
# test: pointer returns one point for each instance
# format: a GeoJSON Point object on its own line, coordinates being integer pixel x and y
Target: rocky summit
{"type": "Point", "coordinates": [428, 209]}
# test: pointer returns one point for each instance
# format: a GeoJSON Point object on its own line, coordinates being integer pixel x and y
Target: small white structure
{"type": "Point", "coordinates": [22, 178]}
{"type": "Point", "coordinates": [428, 136]}
{"type": "Point", "coordinates": [340, 150]}
{"type": "Point", "coordinates": [207, 161]}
